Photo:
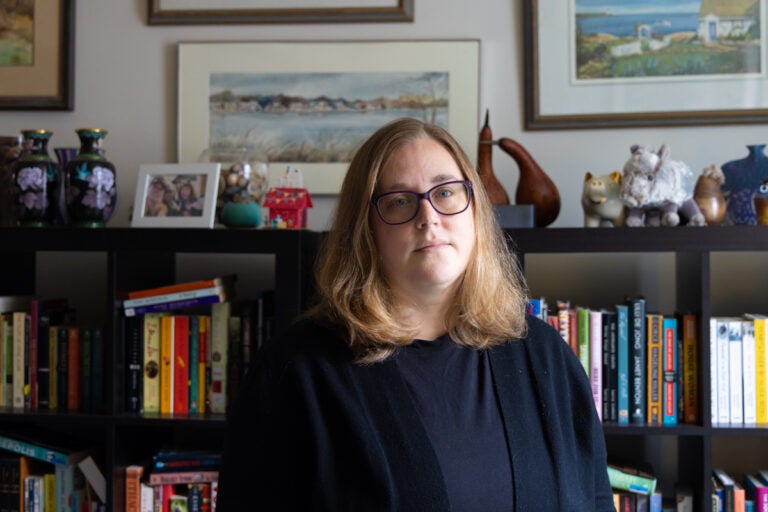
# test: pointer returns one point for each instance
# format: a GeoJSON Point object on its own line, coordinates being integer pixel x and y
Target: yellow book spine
{"type": "Point", "coordinates": [166, 365]}
{"type": "Point", "coordinates": [53, 365]}
{"type": "Point", "coordinates": [690, 369]}
{"type": "Point", "coordinates": [654, 372]}
{"type": "Point", "coordinates": [761, 370]}
{"type": "Point", "coordinates": [49, 492]}
{"type": "Point", "coordinates": [19, 349]}
{"type": "Point", "coordinates": [152, 363]}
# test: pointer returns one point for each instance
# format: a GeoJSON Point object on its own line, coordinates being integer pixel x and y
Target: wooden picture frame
{"type": "Point", "coordinates": [332, 96]}
{"type": "Point", "coordinates": [158, 201]}
{"type": "Point", "coordinates": [180, 12]}
{"type": "Point", "coordinates": [597, 65]}
{"type": "Point", "coordinates": [39, 71]}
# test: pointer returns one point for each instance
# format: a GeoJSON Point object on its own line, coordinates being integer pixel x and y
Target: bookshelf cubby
{"type": "Point", "coordinates": [688, 259]}
{"type": "Point", "coordinates": [135, 259]}
{"type": "Point", "coordinates": [677, 269]}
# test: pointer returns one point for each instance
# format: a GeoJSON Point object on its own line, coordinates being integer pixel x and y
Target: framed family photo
{"type": "Point", "coordinates": [309, 105]}
{"type": "Point", "coordinates": [37, 55]}
{"type": "Point", "coordinates": [176, 196]}
{"type": "Point", "coordinates": [278, 11]}
{"type": "Point", "coordinates": [633, 63]}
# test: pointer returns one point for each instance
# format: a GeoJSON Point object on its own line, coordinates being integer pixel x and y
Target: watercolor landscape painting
{"type": "Point", "coordinates": [646, 39]}
{"type": "Point", "coordinates": [17, 32]}
{"type": "Point", "coordinates": [318, 117]}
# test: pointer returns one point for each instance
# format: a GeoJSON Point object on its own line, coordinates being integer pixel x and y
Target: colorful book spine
{"type": "Point", "coordinates": [622, 360]}
{"type": "Point", "coordinates": [204, 372]}
{"type": "Point", "coordinates": [749, 372]}
{"type": "Point", "coordinates": [181, 364]}
{"type": "Point", "coordinates": [583, 333]}
{"type": "Point", "coordinates": [166, 364]}
{"type": "Point", "coordinates": [38, 451]}
{"type": "Point", "coordinates": [669, 365]}
{"type": "Point", "coordinates": [637, 369]}
{"type": "Point", "coordinates": [609, 371]}
{"type": "Point", "coordinates": [735, 372]}
{"type": "Point", "coordinates": [596, 359]}
{"type": "Point", "coordinates": [73, 369]}
{"type": "Point", "coordinates": [183, 477]}
{"type": "Point", "coordinates": [180, 287]}
{"type": "Point", "coordinates": [219, 336]}
{"type": "Point", "coordinates": [172, 297]}
{"type": "Point", "coordinates": [654, 370]}
{"type": "Point", "coordinates": [757, 491]}
{"type": "Point", "coordinates": [170, 306]}
{"type": "Point", "coordinates": [194, 367]}
{"type": "Point", "coordinates": [151, 363]}
{"type": "Point", "coordinates": [635, 482]}
{"type": "Point", "coordinates": [761, 368]}
{"type": "Point", "coordinates": [133, 474]}
{"type": "Point", "coordinates": [690, 367]}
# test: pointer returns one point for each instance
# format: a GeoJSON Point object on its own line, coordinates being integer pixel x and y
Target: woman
{"type": "Point", "coordinates": [417, 382]}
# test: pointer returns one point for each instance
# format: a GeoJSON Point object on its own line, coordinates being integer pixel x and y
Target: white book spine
{"type": "Point", "coordinates": [713, 370]}
{"type": "Point", "coordinates": [596, 359]}
{"type": "Point", "coordinates": [723, 367]}
{"type": "Point", "coordinates": [749, 376]}
{"type": "Point", "coordinates": [735, 372]}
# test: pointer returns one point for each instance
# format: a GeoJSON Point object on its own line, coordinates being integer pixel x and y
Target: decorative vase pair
{"type": "Point", "coordinates": [81, 190]}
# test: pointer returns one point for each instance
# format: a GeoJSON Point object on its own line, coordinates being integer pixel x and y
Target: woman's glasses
{"type": "Point", "coordinates": [401, 206]}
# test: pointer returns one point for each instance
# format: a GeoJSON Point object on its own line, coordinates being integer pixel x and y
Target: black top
{"type": "Point", "coordinates": [313, 430]}
{"type": "Point", "coordinates": [452, 388]}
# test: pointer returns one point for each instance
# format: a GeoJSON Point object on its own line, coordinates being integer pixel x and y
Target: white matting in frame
{"type": "Point", "coordinates": [329, 83]}
{"type": "Point", "coordinates": [176, 195]}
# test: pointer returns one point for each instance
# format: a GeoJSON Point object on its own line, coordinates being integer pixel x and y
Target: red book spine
{"type": "Point", "coordinates": [181, 368]}
{"type": "Point", "coordinates": [73, 369]}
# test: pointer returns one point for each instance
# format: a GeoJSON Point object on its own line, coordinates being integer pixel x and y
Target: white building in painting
{"type": "Point", "coordinates": [727, 18]}
{"type": "Point", "coordinates": [644, 38]}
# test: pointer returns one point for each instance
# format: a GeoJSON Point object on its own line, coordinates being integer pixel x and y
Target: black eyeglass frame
{"type": "Point", "coordinates": [423, 195]}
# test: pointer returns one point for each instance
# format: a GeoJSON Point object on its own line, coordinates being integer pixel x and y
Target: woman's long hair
{"type": "Point", "coordinates": [353, 294]}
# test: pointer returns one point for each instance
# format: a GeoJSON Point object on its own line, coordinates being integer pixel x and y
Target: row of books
{"type": "Point", "coordinates": [180, 295]}
{"type": "Point", "coordinates": [642, 366]}
{"type": "Point", "coordinates": [35, 477]}
{"type": "Point", "coordinates": [47, 361]}
{"type": "Point", "coordinates": [175, 481]}
{"type": "Point", "coordinates": [636, 490]}
{"type": "Point", "coordinates": [191, 363]}
{"type": "Point", "coordinates": [738, 369]}
{"type": "Point", "coordinates": [731, 495]}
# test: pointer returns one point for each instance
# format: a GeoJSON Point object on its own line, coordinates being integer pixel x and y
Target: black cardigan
{"type": "Point", "coordinates": [312, 430]}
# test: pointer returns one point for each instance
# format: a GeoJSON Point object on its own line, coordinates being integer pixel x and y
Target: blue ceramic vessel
{"type": "Point", "coordinates": [742, 181]}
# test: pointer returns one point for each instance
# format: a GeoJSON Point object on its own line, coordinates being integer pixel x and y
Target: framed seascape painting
{"type": "Point", "coordinates": [309, 106]}
{"type": "Point", "coordinates": [632, 63]}
{"type": "Point", "coordinates": [176, 196]}
{"type": "Point", "coordinates": [278, 11]}
{"type": "Point", "coordinates": [37, 54]}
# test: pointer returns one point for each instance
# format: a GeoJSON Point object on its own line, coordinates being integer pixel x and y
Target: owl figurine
{"type": "Point", "coordinates": [760, 201]}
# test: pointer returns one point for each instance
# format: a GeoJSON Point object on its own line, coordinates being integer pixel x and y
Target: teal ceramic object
{"type": "Point", "coordinates": [241, 215]}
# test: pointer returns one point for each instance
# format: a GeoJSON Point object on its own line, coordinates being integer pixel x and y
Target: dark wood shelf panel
{"type": "Point", "coordinates": [214, 421]}
{"type": "Point", "coordinates": [614, 429]}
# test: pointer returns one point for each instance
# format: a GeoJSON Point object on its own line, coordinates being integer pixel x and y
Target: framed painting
{"type": "Point", "coordinates": [309, 105]}
{"type": "Point", "coordinates": [165, 12]}
{"type": "Point", "coordinates": [37, 55]}
{"type": "Point", "coordinates": [634, 63]}
{"type": "Point", "coordinates": [176, 196]}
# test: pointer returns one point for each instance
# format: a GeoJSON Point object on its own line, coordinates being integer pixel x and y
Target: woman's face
{"type": "Point", "coordinates": [428, 254]}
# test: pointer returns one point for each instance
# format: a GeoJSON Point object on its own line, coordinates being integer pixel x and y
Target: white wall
{"type": "Point", "coordinates": [125, 82]}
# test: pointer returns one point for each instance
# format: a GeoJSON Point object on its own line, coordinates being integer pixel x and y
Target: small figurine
{"type": "Point", "coordinates": [601, 200]}
{"type": "Point", "coordinates": [761, 204]}
{"type": "Point", "coordinates": [708, 195]}
{"type": "Point", "coordinates": [657, 190]}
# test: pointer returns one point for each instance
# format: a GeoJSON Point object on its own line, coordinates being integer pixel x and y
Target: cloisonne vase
{"type": "Point", "coordinates": [34, 181]}
{"type": "Point", "coordinates": [91, 192]}
{"type": "Point", "coordinates": [743, 179]}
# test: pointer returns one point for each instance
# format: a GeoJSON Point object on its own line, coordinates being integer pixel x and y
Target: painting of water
{"type": "Point", "coordinates": [646, 39]}
{"type": "Point", "coordinates": [318, 117]}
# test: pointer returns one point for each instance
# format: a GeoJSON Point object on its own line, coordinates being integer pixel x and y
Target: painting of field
{"type": "Point", "coordinates": [17, 32]}
{"type": "Point", "coordinates": [318, 117]}
{"type": "Point", "coordinates": [642, 39]}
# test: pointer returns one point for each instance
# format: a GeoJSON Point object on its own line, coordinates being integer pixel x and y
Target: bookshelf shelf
{"type": "Point", "coordinates": [693, 253]}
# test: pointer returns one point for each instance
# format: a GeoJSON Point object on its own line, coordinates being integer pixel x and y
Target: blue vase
{"type": "Point", "coordinates": [742, 180]}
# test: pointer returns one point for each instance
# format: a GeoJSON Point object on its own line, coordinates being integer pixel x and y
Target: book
{"type": "Point", "coordinates": [73, 369]}
{"type": "Point", "coordinates": [637, 369]}
{"type": "Point", "coordinates": [180, 364]}
{"type": "Point", "coordinates": [669, 372]}
{"type": "Point", "coordinates": [170, 306]}
{"type": "Point", "coordinates": [735, 372]}
{"type": "Point", "coordinates": [757, 491]}
{"type": "Point", "coordinates": [690, 365]}
{"type": "Point", "coordinates": [723, 369]}
{"type": "Point", "coordinates": [94, 477]}
{"type": "Point", "coordinates": [583, 335]}
{"type": "Point", "coordinates": [40, 451]}
{"type": "Point", "coordinates": [183, 477]}
{"type": "Point", "coordinates": [181, 287]}
{"type": "Point", "coordinates": [749, 372]}
{"type": "Point", "coordinates": [622, 362]}
{"type": "Point", "coordinates": [151, 364]}
{"type": "Point", "coordinates": [18, 319]}
{"type": "Point", "coordinates": [62, 368]}
{"type": "Point", "coordinates": [204, 372]}
{"type": "Point", "coordinates": [655, 330]}
{"type": "Point", "coordinates": [610, 370]}
{"type": "Point", "coordinates": [174, 297]}
{"type": "Point", "coordinates": [728, 486]}
{"type": "Point", "coordinates": [684, 498]}
{"type": "Point", "coordinates": [219, 337]}
{"type": "Point", "coordinates": [167, 344]}
{"type": "Point", "coordinates": [133, 474]}
{"type": "Point", "coordinates": [86, 367]}
{"type": "Point", "coordinates": [53, 354]}
{"type": "Point", "coordinates": [235, 356]}
{"type": "Point", "coordinates": [194, 364]}
{"type": "Point", "coordinates": [631, 479]}
{"type": "Point", "coordinates": [761, 366]}
{"type": "Point", "coordinates": [6, 364]}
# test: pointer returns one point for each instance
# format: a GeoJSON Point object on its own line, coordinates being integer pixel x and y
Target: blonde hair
{"type": "Point", "coordinates": [353, 293]}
